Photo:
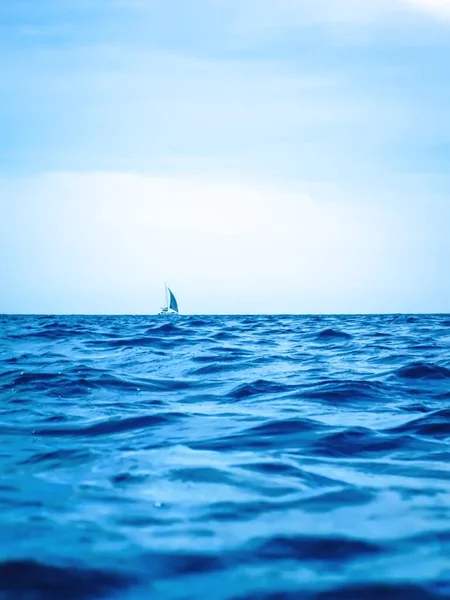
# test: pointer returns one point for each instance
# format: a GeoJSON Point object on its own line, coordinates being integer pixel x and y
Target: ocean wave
{"type": "Point", "coordinates": [224, 457]}
{"type": "Point", "coordinates": [420, 370]}
{"type": "Point", "coordinates": [23, 579]}
{"type": "Point", "coordinates": [435, 424]}
{"type": "Point", "coordinates": [333, 334]}
{"type": "Point", "coordinates": [111, 427]}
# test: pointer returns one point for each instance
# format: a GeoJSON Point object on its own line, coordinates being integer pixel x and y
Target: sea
{"type": "Point", "coordinates": [225, 457]}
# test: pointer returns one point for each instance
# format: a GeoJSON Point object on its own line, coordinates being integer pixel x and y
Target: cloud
{"type": "Point", "coordinates": [437, 8]}
{"type": "Point", "coordinates": [344, 20]}
{"type": "Point", "coordinates": [105, 241]}
{"type": "Point", "coordinates": [121, 107]}
{"type": "Point", "coordinates": [124, 109]}
{"type": "Point", "coordinates": [205, 205]}
{"type": "Point", "coordinates": [265, 19]}
{"type": "Point", "coordinates": [146, 123]}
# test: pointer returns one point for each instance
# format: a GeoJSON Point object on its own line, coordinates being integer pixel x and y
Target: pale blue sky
{"type": "Point", "coordinates": [259, 155]}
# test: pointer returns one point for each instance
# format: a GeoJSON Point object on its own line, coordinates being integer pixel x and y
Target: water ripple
{"type": "Point", "coordinates": [225, 457]}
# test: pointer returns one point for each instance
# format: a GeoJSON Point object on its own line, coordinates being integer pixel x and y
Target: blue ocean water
{"type": "Point", "coordinates": [225, 458]}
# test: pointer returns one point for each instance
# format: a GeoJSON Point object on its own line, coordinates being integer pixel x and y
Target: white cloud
{"type": "Point", "coordinates": [265, 18]}
{"type": "Point", "coordinates": [123, 109]}
{"type": "Point", "coordinates": [105, 241]}
{"type": "Point", "coordinates": [437, 8]}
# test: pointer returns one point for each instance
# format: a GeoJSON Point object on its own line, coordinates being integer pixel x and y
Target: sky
{"type": "Point", "coordinates": [259, 156]}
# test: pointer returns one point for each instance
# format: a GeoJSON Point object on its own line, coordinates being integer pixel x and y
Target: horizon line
{"type": "Point", "coordinates": [306, 314]}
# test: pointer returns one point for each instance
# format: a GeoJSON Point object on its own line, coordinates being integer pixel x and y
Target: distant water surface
{"type": "Point", "coordinates": [269, 457]}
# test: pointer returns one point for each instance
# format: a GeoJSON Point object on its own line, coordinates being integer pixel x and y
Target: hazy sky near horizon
{"type": "Point", "coordinates": [282, 156]}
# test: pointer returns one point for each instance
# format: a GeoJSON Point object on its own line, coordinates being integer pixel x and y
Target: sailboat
{"type": "Point", "coordinates": [171, 303]}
